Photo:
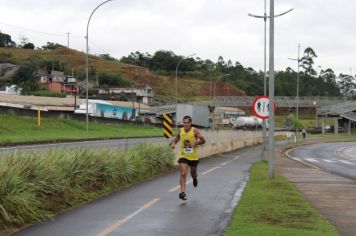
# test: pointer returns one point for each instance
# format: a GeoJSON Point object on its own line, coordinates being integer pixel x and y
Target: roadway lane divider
{"type": "Point", "coordinates": [119, 223]}
{"type": "Point", "coordinates": [205, 173]}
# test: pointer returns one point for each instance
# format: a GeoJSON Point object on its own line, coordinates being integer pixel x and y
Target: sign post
{"type": "Point", "coordinates": [167, 126]}
{"type": "Point", "coordinates": [261, 108]}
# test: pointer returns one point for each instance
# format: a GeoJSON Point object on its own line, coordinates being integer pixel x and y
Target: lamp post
{"type": "Point", "coordinates": [86, 65]}
{"type": "Point", "coordinates": [264, 17]}
{"type": "Point", "coordinates": [176, 80]}
{"type": "Point", "coordinates": [223, 76]}
{"type": "Point", "coordinates": [219, 78]}
{"type": "Point", "coordinates": [297, 110]}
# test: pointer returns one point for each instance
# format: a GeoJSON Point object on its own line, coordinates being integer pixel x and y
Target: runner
{"type": "Point", "coordinates": [189, 138]}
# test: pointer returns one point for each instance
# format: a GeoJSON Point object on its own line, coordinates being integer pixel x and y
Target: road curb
{"type": "Point", "coordinates": [286, 153]}
{"type": "Point", "coordinates": [339, 153]}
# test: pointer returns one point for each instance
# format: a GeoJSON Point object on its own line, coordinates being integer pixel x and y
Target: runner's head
{"type": "Point", "coordinates": [187, 122]}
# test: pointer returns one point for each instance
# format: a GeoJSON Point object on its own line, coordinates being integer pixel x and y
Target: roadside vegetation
{"type": "Point", "coordinates": [34, 186]}
{"type": "Point", "coordinates": [16, 129]}
{"type": "Point", "coordinates": [275, 207]}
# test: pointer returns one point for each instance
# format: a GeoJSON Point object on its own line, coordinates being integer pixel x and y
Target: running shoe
{"type": "Point", "coordinates": [183, 196]}
{"type": "Point", "coordinates": [195, 182]}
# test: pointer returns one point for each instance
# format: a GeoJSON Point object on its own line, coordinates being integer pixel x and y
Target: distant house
{"type": "Point", "coordinates": [68, 86]}
{"type": "Point", "coordinates": [13, 90]}
{"type": "Point", "coordinates": [57, 82]}
{"type": "Point", "coordinates": [142, 94]}
{"type": "Point", "coordinates": [55, 87]}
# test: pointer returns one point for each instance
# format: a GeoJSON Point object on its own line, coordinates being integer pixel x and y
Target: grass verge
{"type": "Point", "coordinates": [275, 207]}
{"type": "Point", "coordinates": [16, 129]}
{"type": "Point", "coordinates": [36, 186]}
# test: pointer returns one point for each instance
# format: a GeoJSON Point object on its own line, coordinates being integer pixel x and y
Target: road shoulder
{"type": "Point", "coordinates": [333, 196]}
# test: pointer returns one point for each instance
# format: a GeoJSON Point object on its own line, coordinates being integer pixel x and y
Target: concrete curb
{"type": "Point", "coordinates": [297, 159]}
{"type": "Point", "coordinates": [339, 153]}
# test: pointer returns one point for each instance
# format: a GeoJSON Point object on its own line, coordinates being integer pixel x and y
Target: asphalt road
{"type": "Point", "coordinates": [338, 158]}
{"type": "Point", "coordinates": [114, 143]}
{"type": "Point", "coordinates": [153, 207]}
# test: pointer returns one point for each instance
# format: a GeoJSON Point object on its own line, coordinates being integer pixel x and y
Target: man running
{"type": "Point", "coordinates": [189, 138]}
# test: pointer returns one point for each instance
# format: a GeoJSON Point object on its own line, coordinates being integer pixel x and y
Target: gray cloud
{"type": "Point", "coordinates": [209, 28]}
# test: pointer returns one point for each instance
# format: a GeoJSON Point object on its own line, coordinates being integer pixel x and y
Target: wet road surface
{"type": "Point", "coordinates": [153, 207]}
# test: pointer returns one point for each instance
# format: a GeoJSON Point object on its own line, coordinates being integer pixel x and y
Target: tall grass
{"type": "Point", "coordinates": [34, 186]}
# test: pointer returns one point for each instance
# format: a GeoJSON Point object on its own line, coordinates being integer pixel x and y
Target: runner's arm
{"type": "Point", "coordinates": [175, 141]}
{"type": "Point", "coordinates": [200, 138]}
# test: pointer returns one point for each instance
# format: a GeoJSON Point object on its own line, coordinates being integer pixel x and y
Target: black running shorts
{"type": "Point", "coordinates": [188, 162]}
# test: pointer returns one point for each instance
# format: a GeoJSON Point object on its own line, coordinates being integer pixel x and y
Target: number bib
{"type": "Point", "coordinates": [188, 150]}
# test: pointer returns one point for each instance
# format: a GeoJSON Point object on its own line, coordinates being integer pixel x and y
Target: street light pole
{"type": "Point", "coordinates": [87, 65]}
{"type": "Point", "coordinates": [176, 80]}
{"type": "Point", "coordinates": [215, 104]}
{"type": "Point", "coordinates": [264, 123]}
{"type": "Point", "coordinates": [297, 110]}
{"type": "Point", "coordinates": [271, 93]}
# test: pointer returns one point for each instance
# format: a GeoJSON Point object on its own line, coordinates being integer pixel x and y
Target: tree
{"type": "Point", "coordinates": [5, 41]}
{"type": "Point", "coordinates": [28, 46]}
{"type": "Point", "coordinates": [51, 46]}
{"type": "Point", "coordinates": [106, 79]}
{"type": "Point", "coordinates": [107, 57]}
{"type": "Point", "coordinates": [25, 78]}
{"type": "Point", "coordinates": [307, 61]}
{"type": "Point", "coordinates": [346, 84]}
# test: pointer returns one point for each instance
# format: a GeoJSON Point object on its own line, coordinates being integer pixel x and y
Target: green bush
{"type": "Point", "coordinates": [44, 93]}
{"type": "Point", "coordinates": [34, 186]}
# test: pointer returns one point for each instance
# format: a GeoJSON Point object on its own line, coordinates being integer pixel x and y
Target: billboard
{"type": "Point", "coordinates": [116, 112]}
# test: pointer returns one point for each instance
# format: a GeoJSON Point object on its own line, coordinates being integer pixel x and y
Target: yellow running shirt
{"type": "Point", "coordinates": [187, 151]}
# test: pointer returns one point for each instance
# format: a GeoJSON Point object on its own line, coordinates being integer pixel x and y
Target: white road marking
{"type": "Point", "coordinates": [328, 161]}
{"type": "Point", "coordinates": [311, 160]}
{"type": "Point", "coordinates": [346, 162]}
{"type": "Point", "coordinates": [115, 226]}
{"type": "Point", "coordinates": [236, 158]}
{"type": "Point", "coordinates": [296, 159]}
{"type": "Point", "coordinates": [210, 170]}
{"type": "Point", "coordinates": [206, 172]}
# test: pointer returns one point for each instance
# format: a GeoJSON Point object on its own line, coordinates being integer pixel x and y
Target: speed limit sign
{"type": "Point", "coordinates": [260, 107]}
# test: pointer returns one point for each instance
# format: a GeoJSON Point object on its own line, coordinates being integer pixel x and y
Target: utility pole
{"type": "Point", "coordinates": [68, 39]}
{"type": "Point", "coordinates": [297, 110]}
{"type": "Point", "coordinates": [264, 123]}
{"type": "Point", "coordinates": [271, 93]}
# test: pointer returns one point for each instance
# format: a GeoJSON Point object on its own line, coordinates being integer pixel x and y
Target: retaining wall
{"type": "Point", "coordinates": [221, 141]}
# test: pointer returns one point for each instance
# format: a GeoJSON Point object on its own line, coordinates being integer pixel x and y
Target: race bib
{"type": "Point", "coordinates": [188, 150]}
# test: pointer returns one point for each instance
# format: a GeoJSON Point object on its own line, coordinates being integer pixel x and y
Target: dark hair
{"type": "Point", "coordinates": [188, 118]}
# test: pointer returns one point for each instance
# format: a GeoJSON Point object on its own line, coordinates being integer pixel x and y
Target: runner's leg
{"type": "Point", "coordinates": [194, 174]}
{"type": "Point", "coordinates": [183, 167]}
{"type": "Point", "coordinates": [193, 171]}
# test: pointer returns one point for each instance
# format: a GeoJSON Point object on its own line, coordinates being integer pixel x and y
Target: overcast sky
{"type": "Point", "coordinates": [209, 28]}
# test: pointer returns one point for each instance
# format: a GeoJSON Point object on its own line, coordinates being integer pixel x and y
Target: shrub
{"type": "Point", "coordinates": [35, 185]}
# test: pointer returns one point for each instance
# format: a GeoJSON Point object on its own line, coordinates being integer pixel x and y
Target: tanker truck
{"type": "Point", "coordinates": [250, 122]}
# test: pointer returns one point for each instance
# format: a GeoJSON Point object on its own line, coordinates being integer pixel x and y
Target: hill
{"type": "Point", "coordinates": [191, 87]}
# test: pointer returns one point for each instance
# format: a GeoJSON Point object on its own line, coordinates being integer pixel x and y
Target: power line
{"type": "Point", "coordinates": [39, 32]}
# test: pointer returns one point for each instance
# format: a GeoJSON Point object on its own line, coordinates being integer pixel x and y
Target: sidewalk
{"type": "Point", "coordinates": [331, 195]}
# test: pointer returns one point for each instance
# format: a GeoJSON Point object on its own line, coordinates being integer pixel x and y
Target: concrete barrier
{"type": "Point", "coordinates": [222, 141]}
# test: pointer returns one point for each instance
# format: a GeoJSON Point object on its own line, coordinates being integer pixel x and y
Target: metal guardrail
{"type": "Point", "coordinates": [337, 109]}
{"type": "Point", "coordinates": [246, 101]}
{"type": "Point", "coordinates": [323, 104]}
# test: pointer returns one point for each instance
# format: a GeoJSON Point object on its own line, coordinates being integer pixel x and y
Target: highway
{"type": "Point", "coordinates": [337, 158]}
{"type": "Point", "coordinates": [111, 143]}
{"type": "Point", "coordinates": [153, 207]}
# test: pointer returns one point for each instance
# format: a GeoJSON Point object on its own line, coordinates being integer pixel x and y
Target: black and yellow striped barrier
{"type": "Point", "coordinates": [167, 126]}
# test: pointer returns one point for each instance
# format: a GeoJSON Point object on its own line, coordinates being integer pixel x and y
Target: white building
{"type": "Point", "coordinates": [13, 90]}
{"type": "Point", "coordinates": [142, 95]}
